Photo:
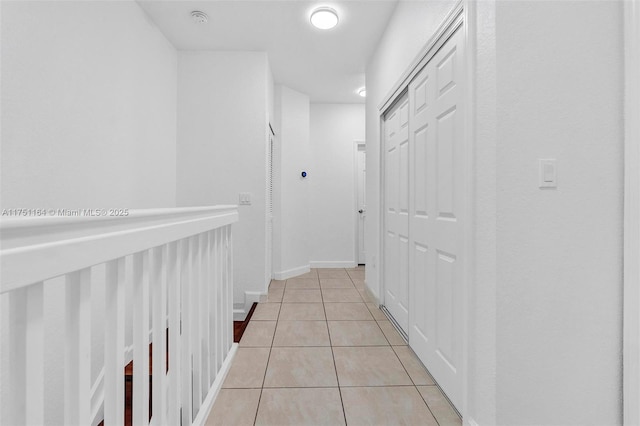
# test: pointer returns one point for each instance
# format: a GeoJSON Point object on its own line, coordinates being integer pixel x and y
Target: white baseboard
{"type": "Point", "coordinates": [372, 295]}
{"type": "Point", "coordinates": [289, 273]}
{"type": "Point", "coordinates": [240, 312]}
{"type": "Point", "coordinates": [333, 264]}
{"type": "Point", "coordinates": [207, 404]}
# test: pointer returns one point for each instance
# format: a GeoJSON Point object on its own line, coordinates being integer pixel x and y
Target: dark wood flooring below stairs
{"type": "Point", "coordinates": [240, 326]}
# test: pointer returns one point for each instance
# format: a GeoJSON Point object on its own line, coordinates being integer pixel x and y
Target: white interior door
{"type": "Point", "coordinates": [396, 212]}
{"type": "Point", "coordinates": [437, 201]}
{"type": "Point", "coordinates": [361, 171]}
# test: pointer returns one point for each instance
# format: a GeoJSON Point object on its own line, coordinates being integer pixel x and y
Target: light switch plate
{"type": "Point", "coordinates": [547, 173]}
{"type": "Point", "coordinates": [244, 198]}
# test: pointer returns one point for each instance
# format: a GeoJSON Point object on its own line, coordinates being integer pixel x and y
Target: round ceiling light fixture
{"type": "Point", "coordinates": [324, 18]}
{"type": "Point", "coordinates": [363, 92]}
{"type": "Point", "coordinates": [199, 17]}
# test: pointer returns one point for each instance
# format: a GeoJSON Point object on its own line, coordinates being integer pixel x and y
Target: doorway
{"type": "Point", "coordinates": [361, 202]}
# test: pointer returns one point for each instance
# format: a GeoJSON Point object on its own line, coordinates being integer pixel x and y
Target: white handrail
{"type": "Point", "coordinates": [178, 265]}
{"type": "Point", "coordinates": [31, 249]}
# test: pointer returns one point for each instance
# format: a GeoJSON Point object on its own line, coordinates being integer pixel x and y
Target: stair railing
{"type": "Point", "coordinates": [176, 264]}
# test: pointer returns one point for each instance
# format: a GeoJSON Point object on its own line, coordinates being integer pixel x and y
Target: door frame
{"type": "Point", "coordinates": [271, 136]}
{"type": "Point", "coordinates": [631, 289]}
{"type": "Point", "coordinates": [460, 16]}
{"type": "Point", "coordinates": [356, 251]}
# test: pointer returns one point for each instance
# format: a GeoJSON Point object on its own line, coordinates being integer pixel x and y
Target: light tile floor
{"type": "Point", "coordinates": [318, 351]}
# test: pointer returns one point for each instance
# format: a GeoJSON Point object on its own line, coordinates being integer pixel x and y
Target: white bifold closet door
{"type": "Point", "coordinates": [436, 139]}
{"type": "Point", "coordinates": [396, 212]}
{"type": "Point", "coordinates": [424, 202]}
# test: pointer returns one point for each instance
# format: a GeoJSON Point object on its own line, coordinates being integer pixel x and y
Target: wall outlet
{"type": "Point", "coordinates": [244, 199]}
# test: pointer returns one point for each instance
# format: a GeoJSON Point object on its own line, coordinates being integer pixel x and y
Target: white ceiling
{"type": "Point", "coordinates": [327, 65]}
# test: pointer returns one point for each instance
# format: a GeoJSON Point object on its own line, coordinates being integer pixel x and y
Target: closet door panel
{"type": "Point", "coordinates": [436, 153]}
{"type": "Point", "coordinates": [396, 212]}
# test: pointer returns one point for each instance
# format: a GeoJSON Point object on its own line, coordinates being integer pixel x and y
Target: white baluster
{"type": "Point", "coordinates": [213, 276]}
{"type": "Point", "coordinates": [195, 324]}
{"type": "Point", "coordinates": [17, 363]}
{"type": "Point", "coordinates": [77, 349]}
{"type": "Point", "coordinates": [158, 283]}
{"type": "Point", "coordinates": [204, 313]}
{"type": "Point", "coordinates": [35, 355]}
{"type": "Point", "coordinates": [141, 338]}
{"type": "Point", "coordinates": [228, 285]}
{"type": "Point", "coordinates": [222, 316]}
{"type": "Point", "coordinates": [114, 343]}
{"type": "Point", "coordinates": [220, 301]}
{"type": "Point", "coordinates": [26, 355]}
{"type": "Point", "coordinates": [173, 283]}
{"type": "Point", "coordinates": [185, 346]}
{"type": "Point", "coordinates": [223, 293]}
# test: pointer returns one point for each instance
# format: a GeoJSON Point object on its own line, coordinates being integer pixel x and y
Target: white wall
{"type": "Point", "coordinates": [545, 303]}
{"type": "Point", "coordinates": [334, 129]}
{"type": "Point", "coordinates": [481, 366]}
{"type": "Point", "coordinates": [559, 294]}
{"type": "Point", "coordinates": [271, 87]}
{"type": "Point", "coordinates": [222, 130]}
{"type": "Point", "coordinates": [88, 120]}
{"type": "Point", "coordinates": [291, 201]}
{"type": "Point", "coordinates": [313, 216]}
{"type": "Point", "coordinates": [88, 107]}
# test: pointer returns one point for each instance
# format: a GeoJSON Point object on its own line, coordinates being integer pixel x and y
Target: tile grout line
{"type": "Point", "coordinates": [428, 408]}
{"type": "Point", "coordinates": [333, 387]}
{"type": "Point", "coordinates": [264, 378]}
{"type": "Point", "coordinates": [396, 354]}
{"type": "Point", "coordinates": [331, 345]}
{"type": "Point", "coordinates": [414, 383]}
{"type": "Point", "coordinates": [333, 356]}
{"type": "Point", "coordinates": [399, 360]}
{"type": "Point", "coordinates": [325, 346]}
{"type": "Point", "coordinates": [405, 368]}
{"type": "Point", "coordinates": [386, 338]}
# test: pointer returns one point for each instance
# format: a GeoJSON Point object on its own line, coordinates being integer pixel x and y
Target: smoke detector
{"type": "Point", "coordinates": [199, 17]}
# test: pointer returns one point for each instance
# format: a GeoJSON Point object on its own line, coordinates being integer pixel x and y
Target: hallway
{"type": "Point", "coordinates": [184, 165]}
{"type": "Point", "coordinates": [318, 351]}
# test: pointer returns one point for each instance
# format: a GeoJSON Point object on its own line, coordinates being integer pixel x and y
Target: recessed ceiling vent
{"type": "Point", "coordinates": [199, 17]}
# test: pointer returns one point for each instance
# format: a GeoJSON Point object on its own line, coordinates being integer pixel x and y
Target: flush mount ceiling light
{"type": "Point", "coordinates": [324, 18]}
{"type": "Point", "coordinates": [363, 92]}
{"type": "Point", "coordinates": [199, 17]}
